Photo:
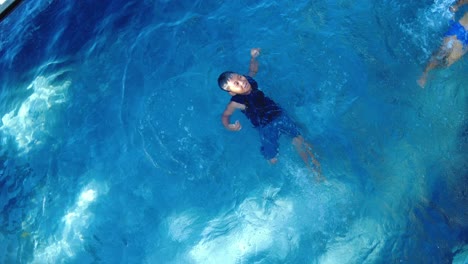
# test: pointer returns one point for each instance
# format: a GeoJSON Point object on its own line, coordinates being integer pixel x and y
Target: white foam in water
{"type": "Point", "coordinates": [254, 228]}
{"type": "Point", "coordinates": [180, 226]}
{"type": "Point", "coordinates": [364, 241]}
{"type": "Point", "coordinates": [63, 246]}
{"type": "Point", "coordinates": [28, 123]}
{"type": "Point", "coordinates": [442, 7]}
{"type": "Point", "coordinates": [430, 22]}
{"type": "Point", "coordinates": [461, 257]}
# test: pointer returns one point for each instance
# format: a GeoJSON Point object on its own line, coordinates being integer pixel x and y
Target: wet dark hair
{"type": "Point", "coordinates": [224, 78]}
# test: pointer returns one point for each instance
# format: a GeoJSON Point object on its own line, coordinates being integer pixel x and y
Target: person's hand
{"type": "Point", "coordinates": [454, 8]}
{"type": "Point", "coordinates": [235, 127]}
{"type": "Point", "coordinates": [255, 52]}
{"type": "Point", "coordinates": [273, 160]}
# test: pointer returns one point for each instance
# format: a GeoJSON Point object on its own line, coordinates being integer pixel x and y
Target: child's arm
{"type": "Point", "coordinates": [253, 68]}
{"type": "Point", "coordinates": [230, 108]}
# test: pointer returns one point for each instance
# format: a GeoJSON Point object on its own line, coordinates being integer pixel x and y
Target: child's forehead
{"type": "Point", "coordinates": [235, 76]}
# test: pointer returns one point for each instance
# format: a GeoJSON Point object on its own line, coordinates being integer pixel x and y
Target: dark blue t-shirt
{"type": "Point", "coordinates": [260, 110]}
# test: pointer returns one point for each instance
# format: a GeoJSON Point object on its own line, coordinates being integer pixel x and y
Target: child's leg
{"type": "Point", "coordinates": [438, 59]}
{"type": "Point", "coordinates": [456, 53]}
{"type": "Point", "coordinates": [304, 149]}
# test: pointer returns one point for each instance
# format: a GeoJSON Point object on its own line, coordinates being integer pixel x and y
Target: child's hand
{"type": "Point", "coordinates": [255, 52]}
{"type": "Point", "coordinates": [235, 127]}
{"type": "Point", "coordinates": [454, 8]}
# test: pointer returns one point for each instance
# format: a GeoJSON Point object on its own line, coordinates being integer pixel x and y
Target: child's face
{"type": "Point", "coordinates": [238, 84]}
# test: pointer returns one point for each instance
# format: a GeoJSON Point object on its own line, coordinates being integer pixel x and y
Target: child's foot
{"type": "Point", "coordinates": [422, 81]}
{"type": "Point", "coordinates": [319, 178]}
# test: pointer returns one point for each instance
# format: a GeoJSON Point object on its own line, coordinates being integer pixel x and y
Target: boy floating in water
{"type": "Point", "coordinates": [455, 44]}
{"type": "Point", "coordinates": [265, 115]}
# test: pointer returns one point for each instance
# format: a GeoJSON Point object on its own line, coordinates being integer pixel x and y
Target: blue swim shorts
{"type": "Point", "coordinates": [457, 29]}
{"type": "Point", "coordinates": [270, 134]}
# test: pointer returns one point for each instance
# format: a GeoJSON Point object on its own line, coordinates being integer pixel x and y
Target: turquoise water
{"type": "Point", "coordinates": [113, 149]}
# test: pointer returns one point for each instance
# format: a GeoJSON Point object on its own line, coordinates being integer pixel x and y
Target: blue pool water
{"type": "Point", "coordinates": [113, 149]}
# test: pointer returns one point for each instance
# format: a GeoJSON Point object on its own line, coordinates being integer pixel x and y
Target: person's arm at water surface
{"type": "Point", "coordinates": [253, 67]}
{"type": "Point", "coordinates": [458, 3]}
{"type": "Point", "coordinates": [230, 108]}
